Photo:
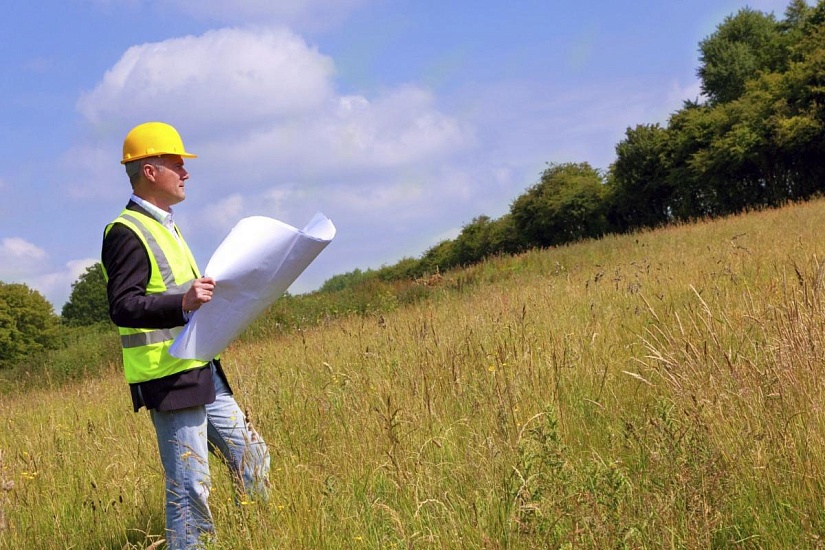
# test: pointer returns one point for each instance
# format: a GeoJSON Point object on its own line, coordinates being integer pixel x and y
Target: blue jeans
{"type": "Point", "coordinates": [185, 438]}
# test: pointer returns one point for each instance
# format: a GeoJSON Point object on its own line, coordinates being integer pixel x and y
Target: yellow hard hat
{"type": "Point", "coordinates": [152, 139]}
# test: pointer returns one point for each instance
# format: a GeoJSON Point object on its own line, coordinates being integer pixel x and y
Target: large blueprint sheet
{"type": "Point", "coordinates": [252, 267]}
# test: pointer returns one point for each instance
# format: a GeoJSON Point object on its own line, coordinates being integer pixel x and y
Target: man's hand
{"type": "Point", "coordinates": [198, 294]}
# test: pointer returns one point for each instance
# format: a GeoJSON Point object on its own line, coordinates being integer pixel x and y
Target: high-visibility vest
{"type": "Point", "coordinates": [173, 269]}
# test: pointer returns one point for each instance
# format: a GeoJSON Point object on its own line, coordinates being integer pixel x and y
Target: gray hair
{"type": "Point", "coordinates": [134, 168]}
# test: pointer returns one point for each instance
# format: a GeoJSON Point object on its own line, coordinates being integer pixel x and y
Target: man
{"type": "Point", "coordinates": [154, 285]}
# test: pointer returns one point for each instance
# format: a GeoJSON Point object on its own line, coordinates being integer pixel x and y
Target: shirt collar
{"type": "Point", "coordinates": [165, 218]}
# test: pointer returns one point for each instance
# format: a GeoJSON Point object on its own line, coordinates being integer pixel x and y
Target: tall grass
{"type": "Point", "coordinates": [655, 390]}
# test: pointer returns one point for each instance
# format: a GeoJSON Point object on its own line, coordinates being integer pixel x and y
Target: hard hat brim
{"type": "Point", "coordinates": [148, 155]}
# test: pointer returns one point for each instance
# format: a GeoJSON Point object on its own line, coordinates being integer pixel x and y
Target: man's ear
{"type": "Point", "coordinates": [149, 170]}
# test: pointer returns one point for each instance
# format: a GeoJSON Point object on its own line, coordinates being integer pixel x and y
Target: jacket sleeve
{"type": "Point", "coordinates": [128, 268]}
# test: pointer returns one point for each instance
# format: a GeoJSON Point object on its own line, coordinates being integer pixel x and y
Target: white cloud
{"type": "Point", "coordinates": [266, 116]}
{"type": "Point", "coordinates": [56, 285]}
{"type": "Point", "coordinates": [76, 268]}
{"type": "Point", "coordinates": [276, 198]}
{"type": "Point", "coordinates": [227, 211]}
{"type": "Point", "coordinates": [94, 172]}
{"type": "Point", "coordinates": [24, 262]}
{"type": "Point", "coordinates": [352, 134]}
{"type": "Point", "coordinates": [18, 257]}
{"type": "Point", "coordinates": [223, 79]}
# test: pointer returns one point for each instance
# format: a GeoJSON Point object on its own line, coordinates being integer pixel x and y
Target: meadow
{"type": "Point", "coordinates": [655, 390]}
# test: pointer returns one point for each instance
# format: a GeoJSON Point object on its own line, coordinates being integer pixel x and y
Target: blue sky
{"type": "Point", "coordinates": [400, 120]}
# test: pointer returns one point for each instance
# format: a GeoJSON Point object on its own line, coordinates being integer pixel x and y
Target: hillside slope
{"type": "Point", "coordinates": [651, 390]}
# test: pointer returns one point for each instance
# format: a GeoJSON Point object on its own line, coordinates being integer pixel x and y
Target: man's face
{"type": "Point", "coordinates": [167, 176]}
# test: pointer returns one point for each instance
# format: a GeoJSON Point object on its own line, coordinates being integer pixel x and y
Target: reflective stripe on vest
{"type": "Point", "coordinates": [146, 351]}
{"type": "Point", "coordinates": [160, 258]}
{"type": "Point", "coordinates": [138, 339]}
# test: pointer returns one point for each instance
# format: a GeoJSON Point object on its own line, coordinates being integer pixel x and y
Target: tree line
{"type": "Point", "coordinates": [756, 139]}
{"type": "Point", "coordinates": [29, 325]}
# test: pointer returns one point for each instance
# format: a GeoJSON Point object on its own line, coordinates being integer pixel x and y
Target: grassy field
{"type": "Point", "coordinates": [655, 390]}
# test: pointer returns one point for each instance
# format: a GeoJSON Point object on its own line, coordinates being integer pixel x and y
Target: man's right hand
{"type": "Point", "coordinates": [198, 294]}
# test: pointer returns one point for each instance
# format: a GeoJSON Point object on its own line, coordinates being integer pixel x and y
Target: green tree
{"type": "Point", "coordinates": [566, 205]}
{"type": "Point", "coordinates": [28, 324]}
{"type": "Point", "coordinates": [439, 257]}
{"type": "Point", "coordinates": [755, 142]}
{"type": "Point", "coordinates": [484, 237]}
{"type": "Point", "coordinates": [473, 243]}
{"type": "Point", "coordinates": [765, 147]}
{"type": "Point", "coordinates": [88, 304]}
{"type": "Point", "coordinates": [504, 237]}
{"type": "Point", "coordinates": [742, 46]}
{"type": "Point", "coordinates": [405, 268]}
{"type": "Point", "coordinates": [641, 193]}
